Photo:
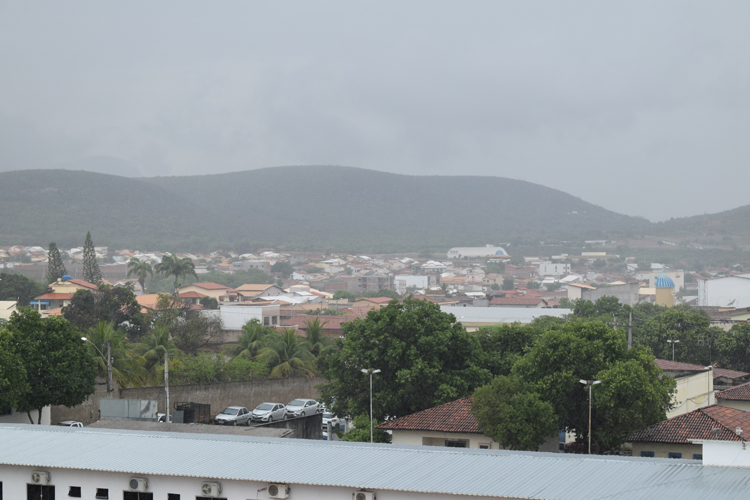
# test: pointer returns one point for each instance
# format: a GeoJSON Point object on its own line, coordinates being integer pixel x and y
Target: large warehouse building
{"type": "Point", "coordinates": [476, 252]}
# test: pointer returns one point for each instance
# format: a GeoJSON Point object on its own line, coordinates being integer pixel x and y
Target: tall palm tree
{"type": "Point", "coordinates": [172, 265]}
{"type": "Point", "coordinates": [125, 368]}
{"type": "Point", "coordinates": [140, 268]}
{"type": "Point", "coordinates": [152, 347]}
{"type": "Point", "coordinates": [287, 355]}
{"type": "Point", "coordinates": [316, 336]}
{"type": "Point", "coordinates": [250, 341]}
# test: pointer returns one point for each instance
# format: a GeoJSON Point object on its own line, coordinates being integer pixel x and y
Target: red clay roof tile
{"type": "Point", "coordinates": [738, 393]}
{"type": "Point", "coordinates": [450, 417]}
{"type": "Point", "coordinates": [697, 424]}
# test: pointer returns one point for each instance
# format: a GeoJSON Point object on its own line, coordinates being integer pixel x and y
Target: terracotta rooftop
{"type": "Point", "coordinates": [450, 417]}
{"type": "Point", "coordinates": [210, 286]}
{"type": "Point", "coordinates": [328, 322]}
{"type": "Point", "coordinates": [516, 301]}
{"type": "Point", "coordinates": [82, 283]}
{"type": "Point", "coordinates": [697, 424]}
{"type": "Point", "coordinates": [56, 296]}
{"type": "Point", "coordinates": [738, 393]}
{"type": "Point", "coordinates": [192, 295]}
{"type": "Point", "coordinates": [723, 372]}
{"type": "Point", "coordinates": [250, 287]}
{"type": "Point", "coordinates": [376, 300]}
{"type": "Point", "coordinates": [665, 364]}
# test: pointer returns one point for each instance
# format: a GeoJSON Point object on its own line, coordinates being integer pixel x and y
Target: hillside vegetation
{"type": "Point", "coordinates": [303, 208]}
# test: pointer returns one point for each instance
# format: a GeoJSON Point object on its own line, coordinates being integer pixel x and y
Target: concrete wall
{"type": "Point", "coordinates": [721, 292]}
{"type": "Point", "coordinates": [662, 450]}
{"type": "Point", "coordinates": [22, 418]}
{"type": "Point", "coordinates": [739, 405]}
{"type": "Point", "coordinates": [693, 392]}
{"type": "Point", "coordinates": [309, 427]}
{"type": "Point", "coordinates": [626, 294]}
{"type": "Point", "coordinates": [248, 393]}
{"type": "Point", "coordinates": [437, 438]}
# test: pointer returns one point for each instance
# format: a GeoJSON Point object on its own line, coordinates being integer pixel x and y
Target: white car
{"type": "Point", "coordinates": [301, 408]}
{"type": "Point", "coordinates": [70, 423]}
{"type": "Point", "coordinates": [268, 412]}
{"type": "Point", "coordinates": [233, 415]}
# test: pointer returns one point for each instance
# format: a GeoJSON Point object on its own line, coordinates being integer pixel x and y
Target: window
{"type": "Point", "coordinates": [102, 493]}
{"type": "Point", "coordinates": [266, 321]}
{"type": "Point", "coordinates": [484, 446]}
{"type": "Point", "coordinates": [675, 455]}
{"type": "Point", "coordinates": [697, 456]}
{"type": "Point", "coordinates": [39, 492]}
{"type": "Point", "coordinates": [647, 454]}
{"type": "Point", "coordinates": [456, 443]}
{"type": "Point", "coordinates": [134, 495]}
{"type": "Point", "coordinates": [75, 492]}
{"type": "Point", "coordinates": [173, 496]}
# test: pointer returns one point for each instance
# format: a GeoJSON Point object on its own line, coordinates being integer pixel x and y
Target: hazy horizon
{"type": "Point", "coordinates": [642, 109]}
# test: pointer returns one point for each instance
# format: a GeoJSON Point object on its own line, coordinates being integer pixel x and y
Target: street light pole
{"type": "Point", "coordinates": [591, 384]}
{"type": "Point", "coordinates": [166, 385]}
{"type": "Point", "coordinates": [673, 342]}
{"type": "Point", "coordinates": [107, 360]}
{"type": "Point", "coordinates": [371, 372]}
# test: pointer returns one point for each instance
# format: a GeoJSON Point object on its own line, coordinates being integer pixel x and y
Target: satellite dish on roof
{"type": "Point", "coordinates": [66, 277]}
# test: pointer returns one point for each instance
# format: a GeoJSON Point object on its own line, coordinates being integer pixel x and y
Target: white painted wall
{"type": "Point", "coordinates": [438, 438]}
{"type": "Point", "coordinates": [15, 479]}
{"type": "Point", "coordinates": [234, 316]}
{"type": "Point", "coordinates": [720, 292]}
{"type": "Point", "coordinates": [553, 269]}
{"type": "Point", "coordinates": [22, 418]}
{"type": "Point", "coordinates": [693, 392]}
{"type": "Point", "coordinates": [727, 453]}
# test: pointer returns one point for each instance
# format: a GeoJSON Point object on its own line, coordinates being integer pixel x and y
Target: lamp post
{"type": "Point", "coordinates": [371, 372]}
{"type": "Point", "coordinates": [591, 384]}
{"type": "Point", "coordinates": [673, 342]}
{"type": "Point", "coordinates": [108, 360]}
{"type": "Point", "coordinates": [708, 385]}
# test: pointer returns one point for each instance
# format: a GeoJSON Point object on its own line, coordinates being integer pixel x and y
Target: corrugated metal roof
{"type": "Point", "coordinates": [377, 467]}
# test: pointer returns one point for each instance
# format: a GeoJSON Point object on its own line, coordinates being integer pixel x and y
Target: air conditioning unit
{"type": "Point", "coordinates": [40, 477]}
{"type": "Point", "coordinates": [211, 489]}
{"type": "Point", "coordinates": [138, 484]}
{"type": "Point", "coordinates": [278, 490]}
{"type": "Point", "coordinates": [363, 495]}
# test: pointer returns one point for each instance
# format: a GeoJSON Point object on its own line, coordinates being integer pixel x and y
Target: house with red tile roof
{"type": "Point", "coordinates": [451, 425]}
{"type": "Point", "coordinates": [736, 397]}
{"type": "Point", "coordinates": [673, 438]}
{"type": "Point", "coordinates": [519, 302]}
{"type": "Point", "coordinates": [215, 290]}
{"type": "Point", "coordinates": [331, 324]}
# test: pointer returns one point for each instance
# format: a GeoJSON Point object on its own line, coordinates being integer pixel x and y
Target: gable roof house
{"type": "Point", "coordinates": [736, 397]}
{"type": "Point", "coordinates": [451, 425]}
{"type": "Point", "coordinates": [215, 290]}
{"type": "Point", "coordinates": [695, 386]}
{"type": "Point", "coordinates": [674, 437]}
{"type": "Point", "coordinates": [537, 302]}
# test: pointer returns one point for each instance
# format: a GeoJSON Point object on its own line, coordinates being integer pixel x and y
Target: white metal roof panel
{"type": "Point", "coordinates": [378, 467]}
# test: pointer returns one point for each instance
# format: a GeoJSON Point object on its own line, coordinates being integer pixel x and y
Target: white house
{"type": "Point", "coordinates": [553, 269]}
{"type": "Point", "coordinates": [732, 291]}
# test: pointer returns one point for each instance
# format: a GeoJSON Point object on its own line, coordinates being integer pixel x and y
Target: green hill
{"type": "Point", "coordinates": [315, 207]}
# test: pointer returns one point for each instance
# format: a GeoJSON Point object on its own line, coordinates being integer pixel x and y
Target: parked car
{"type": "Point", "coordinates": [268, 412]}
{"type": "Point", "coordinates": [70, 423]}
{"type": "Point", "coordinates": [301, 408]}
{"type": "Point", "coordinates": [162, 417]}
{"type": "Point", "coordinates": [233, 415]}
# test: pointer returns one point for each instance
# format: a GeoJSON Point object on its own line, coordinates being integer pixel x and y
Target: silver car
{"type": "Point", "coordinates": [301, 408]}
{"type": "Point", "coordinates": [233, 415]}
{"type": "Point", "coordinates": [268, 412]}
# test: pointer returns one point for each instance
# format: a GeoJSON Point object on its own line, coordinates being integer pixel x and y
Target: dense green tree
{"type": "Point", "coordinates": [426, 358]}
{"type": "Point", "coordinates": [152, 348]}
{"type": "Point", "coordinates": [117, 305]}
{"type": "Point", "coordinates": [20, 288]}
{"type": "Point", "coordinates": [250, 341]}
{"type": "Point", "coordinates": [203, 368]}
{"type": "Point", "coordinates": [590, 350]}
{"type": "Point", "coordinates": [360, 433]}
{"type": "Point", "coordinates": [604, 306]}
{"type": "Point", "coordinates": [508, 283]}
{"type": "Point", "coordinates": [125, 368]}
{"type": "Point", "coordinates": [315, 336]}
{"type": "Point", "coordinates": [172, 265]}
{"type": "Point", "coordinates": [209, 302]}
{"type": "Point", "coordinates": [381, 293]}
{"type": "Point", "coordinates": [190, 330]}
{"type": "Point", "coordinates": [503, 345]}
{"type": "Point", "coordinates": [733, 349]}
{"type": "Point", "coordinates": [13, 382]}
{"type": "Point", "coordinates": [141, 269]}
{"type": "Point", "coordinates": [343, 294]}
{"type": "Point", "coordinates": [91, 271]}
{"type": "Point", "coordinates": [55, 266]}
{"type": "Point", "coordinates": [59, 369]}
{"type": "Point", "coordinates": [510, 412]}
{"type": "Point", "coordinates": [287, 355]}
{"type": "Point", "coordinates": [691, 327]}
{"type": "Point", "coordinates": [283, 268]}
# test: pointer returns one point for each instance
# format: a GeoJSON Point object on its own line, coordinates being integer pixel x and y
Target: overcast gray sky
{"type": "Point", "coordinates": [640, 107]}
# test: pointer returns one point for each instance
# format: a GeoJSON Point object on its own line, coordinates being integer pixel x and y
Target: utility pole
{"type": "Point", "coordinates": [630, 331]}
{"type": "Point", "coordinates": [370, 371]}
{"type": "Point", "coordinates": [591, 384]}
{"type": "Point", "coordinates": [109, 369]}
{"type": "Point", "coordinates": [166, 385]}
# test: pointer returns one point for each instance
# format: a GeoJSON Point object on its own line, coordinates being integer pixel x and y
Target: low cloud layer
{"type": "Point", "coordinates": [641, 108]}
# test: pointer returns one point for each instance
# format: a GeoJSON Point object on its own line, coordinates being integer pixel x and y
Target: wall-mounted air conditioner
{"type": "Point", "coordinates": [40, 477]}
{"type": "Point", "coordinates": [363, 495]}
{"type": "Point", "coordinates": [278, 490]}
{"type": "Point", "coordinates": [211, 489]}
{"type": "Point", "coordinates": [138, 484]}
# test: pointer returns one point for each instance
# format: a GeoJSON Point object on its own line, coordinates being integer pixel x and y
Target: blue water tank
{"type": "Point", "coordinates": [663, 281]}
{"type": "Point", "coordinates": [66, 277]}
